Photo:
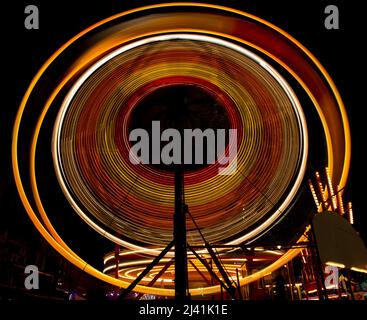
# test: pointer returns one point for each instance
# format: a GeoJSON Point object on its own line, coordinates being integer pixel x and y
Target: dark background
{"type": "Point", "coordinates": [24, 51]}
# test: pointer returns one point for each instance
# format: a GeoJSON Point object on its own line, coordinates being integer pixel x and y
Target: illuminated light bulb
{"type": "Point", "coordinates": [350, 212]}
{"type": "Point", "coordinates": [313, 192]}
{"type": "Point", "coordinates": [340, 201]}
{"type": "Point", "coordinates": [321, 191]}
{"type": "Point", "coordinates": [335, 264]}
{"type": "Point", "coordinates": [359, 269]}
{"type": "Point", "coordinates": [331, 189]}
{"type": "Point", "coordinates": [303, 257]}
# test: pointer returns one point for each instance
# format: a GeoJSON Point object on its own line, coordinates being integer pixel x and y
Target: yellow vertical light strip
{"type": "Point", "coordinates": [321, 191]}
{"type": "Point", "coordinates": [314, 195]}
{"type": "Point", "coordinates": [350, 213]}
{"type": "Point", "coordinates": [339, 195]}
{"type": "Point", "coordinates": [331, 190]}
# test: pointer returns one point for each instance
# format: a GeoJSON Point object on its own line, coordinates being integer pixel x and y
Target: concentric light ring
{"type": "Point", "coordinates": [337, 133]}
{"type": "Point", "coordinates": [57, 145]}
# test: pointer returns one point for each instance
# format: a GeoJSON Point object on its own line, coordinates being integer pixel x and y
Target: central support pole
{"type": "Point", "coordinates": [179, 234]}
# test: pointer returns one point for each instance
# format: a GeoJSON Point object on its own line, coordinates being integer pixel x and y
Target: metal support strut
{"type": "Point", "coordinates": [179, 236]}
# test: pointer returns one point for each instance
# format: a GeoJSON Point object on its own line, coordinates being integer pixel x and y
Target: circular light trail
{"type": "Point", "coordinates": [238, 27]}
{"type": "Point", "coordinates": [272, 151]}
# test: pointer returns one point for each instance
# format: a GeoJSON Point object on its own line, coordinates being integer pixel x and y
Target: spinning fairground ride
{"type": "Point", "coordinates": [182, 230]}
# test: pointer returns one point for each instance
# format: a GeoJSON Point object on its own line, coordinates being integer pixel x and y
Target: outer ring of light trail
{"type": "Point", "coordinates": [247, 155]}
{"type": "Point", "coordinates": [239, 27]}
